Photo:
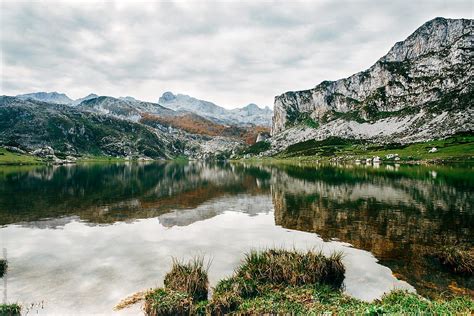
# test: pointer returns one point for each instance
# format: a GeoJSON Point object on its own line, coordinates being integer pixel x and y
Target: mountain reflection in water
{"type": "Point", "coordinates": [398, 213]}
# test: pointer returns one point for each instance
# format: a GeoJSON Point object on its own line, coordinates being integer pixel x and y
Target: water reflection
{"type": "Point", "coordinates": [401, 217]}
{"type": "Point", "coordinates": [113, 228]}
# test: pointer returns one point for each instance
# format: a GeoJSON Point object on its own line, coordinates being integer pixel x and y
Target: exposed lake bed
{"type": "Point", "coordinates": [85, 236]}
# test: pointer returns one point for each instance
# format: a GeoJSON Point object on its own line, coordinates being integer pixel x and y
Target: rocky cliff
{"type": "Point", "coordinates": [422, 89]}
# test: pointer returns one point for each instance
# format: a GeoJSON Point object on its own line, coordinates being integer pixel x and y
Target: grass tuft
{"type": "Point", "coordinates": [279, 266]}
{"type": "Point", "coordinates": [3, 267]}
{"type": "Point", "coordinates": [10, 309]}
{"type": "Point", "coordinates": [457, 259]}
{"type": "Point", "coordinates": [190, 278]}
{"type": "Point", "coordinates": [167, 302]}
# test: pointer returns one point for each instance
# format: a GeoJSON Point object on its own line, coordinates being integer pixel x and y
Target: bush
{"type": "Point", "coordinates": [190, 278]}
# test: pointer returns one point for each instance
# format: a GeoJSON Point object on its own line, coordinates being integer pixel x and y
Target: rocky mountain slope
{"type": "Point", "coordinates": [250, 114]}
{"type": "Point", "coordinates": [31, 125]}
{"type": "Point", "coordinates": [421, 90]}
{"type": "Point", "coordinates": [105, 126]}
{"type": "Point", "coordinates": [52, 97]}
{"type": "Point", "coordinates": [126, 108]}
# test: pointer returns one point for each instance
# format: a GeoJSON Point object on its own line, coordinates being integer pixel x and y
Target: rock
{"type": "Point", "coordinates": [433, 150]}
{"type": "Point", "coordinates": [262, 137]}
{"type": "Point", "coordinates": [44, 152]}
{"type": "Point", "coordinates": [376, 159]}
{"type": "Point", "coordinates": [401, 98]}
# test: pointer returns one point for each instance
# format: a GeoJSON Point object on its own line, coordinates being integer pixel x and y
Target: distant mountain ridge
{"type": "Point", "coordinates": [250, 114]}
{"type": "Point", "coordinates": [129, 107]}
{"type": "Point", "coordinates": [53, 97]}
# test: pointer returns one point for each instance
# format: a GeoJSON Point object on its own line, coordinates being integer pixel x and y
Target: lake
{"type": "Point", "coordinates": [79, 238]}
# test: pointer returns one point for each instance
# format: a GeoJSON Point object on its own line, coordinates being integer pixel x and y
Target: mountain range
{"type": "Point", "coordinates": [422, 89]}
{"type": "Point", "coordinates": [251, 114]}
{"type": "Point", "coordinates": [52, 124]}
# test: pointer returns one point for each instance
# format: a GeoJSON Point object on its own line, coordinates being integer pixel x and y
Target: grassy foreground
{"type": "Point", "coordinates": [280, 282]}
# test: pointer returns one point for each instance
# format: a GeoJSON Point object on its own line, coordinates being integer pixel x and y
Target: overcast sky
{"type": "Point", "coordinates": [230, 53]}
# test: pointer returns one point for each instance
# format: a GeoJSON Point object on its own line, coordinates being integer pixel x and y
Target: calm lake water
{"type": "Point", "coordinates": [80, 238]}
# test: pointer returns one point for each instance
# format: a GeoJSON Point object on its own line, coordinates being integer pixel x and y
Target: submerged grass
{"type": "Point", "coordinates": [10, 309]}
{"type": "Point", "coordinates": [3, 267]}
{"type": "Point", "coordinates": [457, 258]}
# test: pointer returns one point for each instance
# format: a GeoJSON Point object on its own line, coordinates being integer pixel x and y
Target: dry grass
{"type": "Point", "coordinates": [132, 300]}
{"type": "Point", "coordinates": [457, 258]}
{"type": "Point", "coordinates": [190, 278]}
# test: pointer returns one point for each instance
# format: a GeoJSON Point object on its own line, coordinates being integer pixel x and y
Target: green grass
{"type": "Point", "coordinates": [190, 278]}
{"type": "Point", "coordinates": [10, 309]}
{"type": "Point", "coordinates": [257, 148]}
{"type": "Point", "coordinates": [11, 158]}
{"type": "Point", "coordinates": [457, 148]}
{"type": "Point", "coordinates": [100, 159]}
{"type": "Point", "coordinates": [167, 302]}
{"type": "Point", "coordinates": [279, 266]}
{"type": "Point", "coordinates": [277, 281]}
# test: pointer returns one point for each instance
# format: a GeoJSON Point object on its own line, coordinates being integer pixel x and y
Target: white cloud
{"type": "Point", "coordinates": [228, 52]}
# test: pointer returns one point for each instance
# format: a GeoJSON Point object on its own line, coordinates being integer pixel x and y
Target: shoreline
{"type": "Point", "coordinates": [279, 281]}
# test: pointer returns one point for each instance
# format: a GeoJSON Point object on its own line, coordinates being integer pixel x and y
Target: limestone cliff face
{"type": "Point", "coordinates": [420, 78]}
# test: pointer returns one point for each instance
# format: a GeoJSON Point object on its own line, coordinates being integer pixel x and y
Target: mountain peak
{"type": "Point", "coordinates": [53, 97]}
{"type": "Point", "coordinates": [167, 96]}
{"type": "Point", "coordinates": [251, 107]}
{"type": "Point", "coordinates": [128, 98]}
{"type": "Point", "coordinates": [434, 35]}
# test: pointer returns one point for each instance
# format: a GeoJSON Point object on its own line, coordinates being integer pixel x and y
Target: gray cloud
{"type": "Point", "coordinates": [228, 52]}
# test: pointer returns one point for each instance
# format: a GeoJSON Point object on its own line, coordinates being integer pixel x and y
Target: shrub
{"type": "Point", "coordinates": [190, 278]}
